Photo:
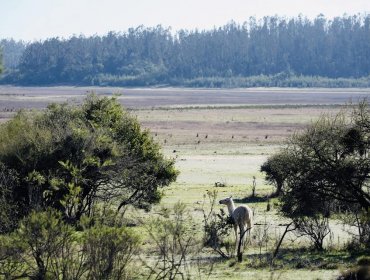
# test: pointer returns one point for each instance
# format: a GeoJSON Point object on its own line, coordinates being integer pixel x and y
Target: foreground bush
{"type": "Point", "coordinates": [44, 247]}
{"type": "Point", "coordinates": [71, 157]}
{"type": "Point", "coordinates": [177, 246]}
{"type": "Point", "coordinates": [109, 251]}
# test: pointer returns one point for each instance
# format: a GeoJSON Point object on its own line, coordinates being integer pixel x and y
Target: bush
{"type": "Point", "coordinates": [217, 228]}
{"type": "Point", "coordinates": [109, 251]}
{"type": "Point", "coordinates": [11, 252]}
{"type": "Point", "coordinates": [41, 248]}
{"type": "Point", "coordinates": [176, 244]}
{"type": "Point", "coordinates": [44, 247]}
{"type": "Point", "coordinates": [316, 228]}
{"type": "Point", "coordinates": [69, 157]}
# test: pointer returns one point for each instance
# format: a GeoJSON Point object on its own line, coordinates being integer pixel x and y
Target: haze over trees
{"type": "Point", "coordinates": [12, 52]}
{"type": "Point", "coordinates": [268, 51]}
{"type": "Point", "coordinates": [1, 62]}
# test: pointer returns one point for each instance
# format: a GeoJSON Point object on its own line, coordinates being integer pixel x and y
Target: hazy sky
{"type": "Point", "coordinates": [40, 19]}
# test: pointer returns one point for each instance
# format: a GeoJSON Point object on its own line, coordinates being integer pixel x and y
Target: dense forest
{"type": "Point", "coordinates": [272, 51]}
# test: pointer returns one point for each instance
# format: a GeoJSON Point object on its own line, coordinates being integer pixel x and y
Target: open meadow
{"type": "Point", "coordinates": [224, 136]}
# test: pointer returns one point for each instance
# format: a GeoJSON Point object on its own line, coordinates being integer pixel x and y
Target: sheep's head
{"type": "Point", "coordinates": [226, 201]}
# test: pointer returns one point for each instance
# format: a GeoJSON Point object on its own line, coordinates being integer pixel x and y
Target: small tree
{"type": "Point", "coordinates": [276, 170]}
{"type": "Point", "coordinates": [327, 167]}
{"type": "Point", "coordinates": [315, 227]}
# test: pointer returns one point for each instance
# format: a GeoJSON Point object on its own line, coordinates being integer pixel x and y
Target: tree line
{"type": "Point", "coordinates": [257, 52]}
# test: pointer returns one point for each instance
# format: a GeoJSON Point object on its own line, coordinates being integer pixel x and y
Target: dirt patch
{"type": "Point", "coordinates": [227, 125]}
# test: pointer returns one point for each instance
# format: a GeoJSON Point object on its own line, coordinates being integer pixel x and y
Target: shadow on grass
{"type": "Point", "coordinates": [305, 259]}
{"type": "Point", "coordinates": [250, 199]}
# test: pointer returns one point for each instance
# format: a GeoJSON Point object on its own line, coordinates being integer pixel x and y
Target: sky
{"type": "Point", "coordinates": [31, 20]}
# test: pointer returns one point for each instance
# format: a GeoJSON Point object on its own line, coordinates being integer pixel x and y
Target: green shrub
{"type": "Point", "coordinates": [109, 251]}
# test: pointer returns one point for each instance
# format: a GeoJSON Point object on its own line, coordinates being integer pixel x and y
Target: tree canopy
{"type": "Point", "coordinates": [73, 157]}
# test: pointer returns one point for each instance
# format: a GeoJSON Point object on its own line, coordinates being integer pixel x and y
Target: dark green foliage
{"type": "Point", "coordinates": [363, 261]}
{"type": "Point", "coordinates": [274, 51]}
{"type": "Point", "coordinates": [8, 208]}
{"type": "Point", "coordinates": [276, 170]}
{"type": "Point", "coordinates": [328, 160]}
{"type": "Point", "coordinates": [69, 158]}
{"type": "Point", "coordinates": [43, 247]}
